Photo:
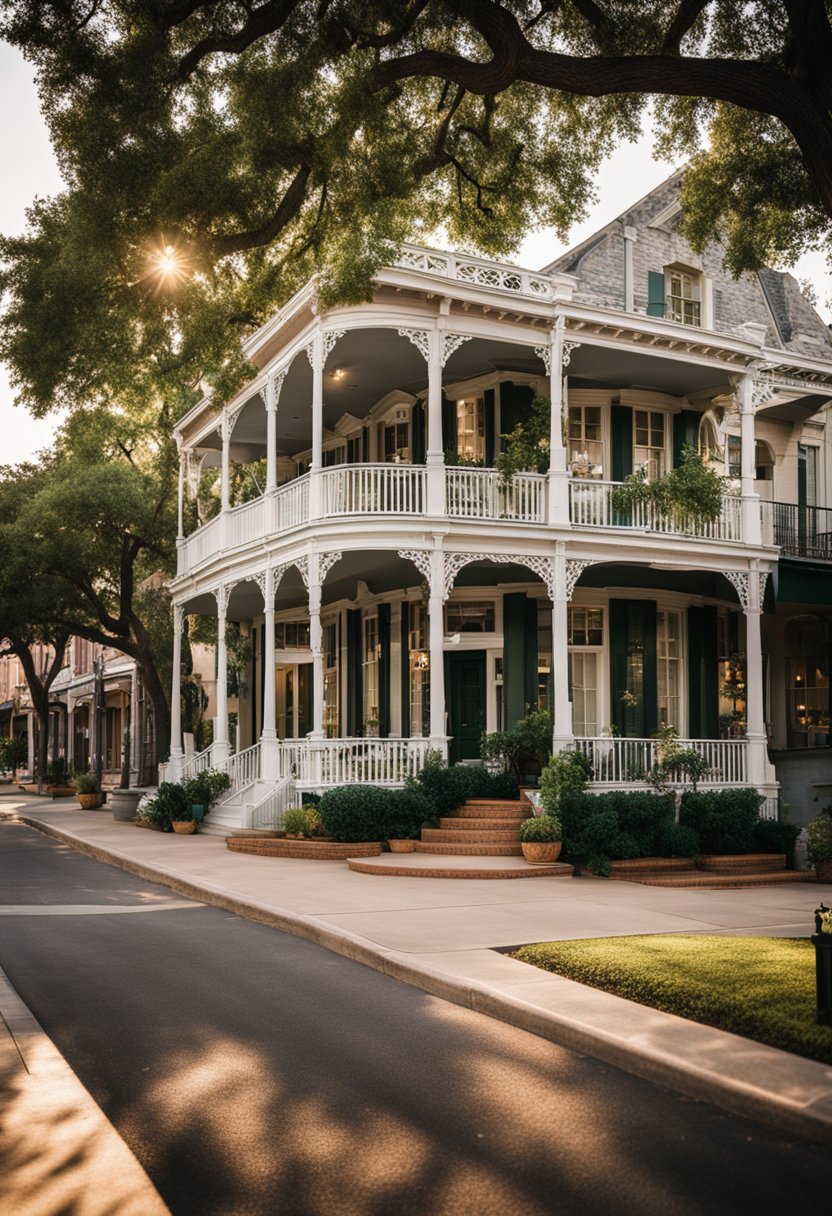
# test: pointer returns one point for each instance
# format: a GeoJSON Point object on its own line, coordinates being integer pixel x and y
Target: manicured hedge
{"type": "Point", "coordinates": [448, 788]}
{"type": "Point", "coordinates": [600, 828]}
{"type": "Point", "coordinates": [725, 820]}
{"type": "Point", "coordinates": [369, 812]}
{"type": "Point", "coordinates": [771, 836]}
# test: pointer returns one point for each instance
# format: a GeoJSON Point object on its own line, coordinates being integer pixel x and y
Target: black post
{"type": "Point", "coordinates": [822, 941]}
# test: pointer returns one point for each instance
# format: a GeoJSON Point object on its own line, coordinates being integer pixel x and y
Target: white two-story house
{"type": "Point", "coordinates": [398, 595]}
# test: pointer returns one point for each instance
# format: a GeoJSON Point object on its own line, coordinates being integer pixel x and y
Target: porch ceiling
{"type": "Point", "coordinates": [609, 367]}
{"type": "Point", "coordinates": [687, 582]}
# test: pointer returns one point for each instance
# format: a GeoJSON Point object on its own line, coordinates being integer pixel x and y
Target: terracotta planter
{"type": "Point", "coordinates": [823, 870]}
{"type": "Point", "coordinates": [91, 802]}
{"type": "Point", "coordinates": [184, 827]}
{"type": "Point", "coordinates": [402, 846]}
{"type": "Point", "coordinates": [541, 853]}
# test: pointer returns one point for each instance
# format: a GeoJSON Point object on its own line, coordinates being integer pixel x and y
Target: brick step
{"type": "Point", "coordinates": [471, 850]}
{"type": "Point", "coordinates": [729, 863]}
{"type": "Point", "coordinates": [458, 824]}
{"type": "Point", "coordinates": [412, 865]}
{"type": "Point", "coordinates": [510, 804]}
{"type": "Point", "coordinates": [720, 882]}
{"type": "Point", "coordinates": [483, 836]}
{"type": "Point", "coordinates": [651, 865]}
{"type": "Point", "coordinates": [308, 850]}
{"type": "Point", "coordinates": [484, 812]}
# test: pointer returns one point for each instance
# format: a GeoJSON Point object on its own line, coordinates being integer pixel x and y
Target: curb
{"type": "Point", "coordinates": [661, 1065]}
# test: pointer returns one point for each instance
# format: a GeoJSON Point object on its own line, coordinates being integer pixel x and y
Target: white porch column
{"type": "Point", "coordinates": [755, 720]}
{"type": "Point", "coordinates": [751, 518]}
{"type": "Point", "coordinates": [221, 749]}
{"type": "Point", "coordinates": [435, 455]}
{"type": "Point", "coordinates": [436, 636]}
{"type": "Point", "coordinates": [176, 751]}
{"type": "Point", "coordinates": [225, 491]}
{"type": "Point", "coordinates": [316, 646]}
{"type": "Point", "coordinates": [269, 758]}
{"type": "Point", "coordinates": [558, 475]}
{"type": "Point", "coordinates": [562, 706]}
{"type": "Point", "coordinates": [315, 353]}
{"type": "Point", "coordinates": [270, 395]}
{"type": "Point", "coordinates": [180, 496]}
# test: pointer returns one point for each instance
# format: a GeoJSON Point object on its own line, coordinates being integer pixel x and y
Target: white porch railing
{"type": "Point", "coordinates": [270, 811]}
{"type": "Point", "coordinates": [290, 504]}
{"type": "Point", "coordinates": [330, 762]}
{"type": "Point", "coordinates": [371, 489]}
{"type": "Point", "coordinates": [197, 763]}
{"type": "Point", "coordinates": [618, 761]}
{"type": "Point", "coordinates": [246, 523]}
{"type": "Point", "coordinates": [244, 767]}
{"type": "Point", "coordinates": [478, 271]}
{"type": "Point", "coordinates": [591, 506]}
{"type": "Point", "coordinates": [202, 544]}
{"type": "Point", "coordinates": [483, 494]}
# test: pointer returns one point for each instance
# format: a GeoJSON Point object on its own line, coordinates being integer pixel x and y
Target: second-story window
{"type": "Point", "coordinates": [585, 435]}
{"type": "Point", "coordinates": [649, 442]}
{"type": "Point", "coordinates": [470, 428]}
{"type": "Point", "coordinates": [396, 448]}
{"type": "Point", "coordinates": [683, 297]}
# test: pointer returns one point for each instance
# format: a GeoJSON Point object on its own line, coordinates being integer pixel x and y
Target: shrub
{"type": "Point", "coordinates": [171, 802]}
{"type": "Point", "coordinates": [409, 809]}
{"type": "Point", "coordinates": [724, 819]}
{"type": "Point", "coordinates": [772, 836]}
{"type": "Point", "coordinates": [676, 840]}
{"type": "Point", "coordinates": [205, 788]}
{"type": "Point", "coordinates": [355, 812]}
{"type": "Point", "coordinates": [541, 829]}
{"type": "Point", "coordinates": [569, 772]}
{"type": "Point", "coordinates": [526, 744]}
{"type": "Point", "coordinates": [56, 773]}
{"type": "Point", "coordinates": [86, 783]}
{"type": "Point", "coordinates": [599, 828]}
{"type": "Point", "coordinates": [448, 788]}
{"type": "Point", "coordinates": [819, 838]}
{"type": "Point", "coordinates": [14, 753]}
{"type": "Point", "coordinates": [303, 821]}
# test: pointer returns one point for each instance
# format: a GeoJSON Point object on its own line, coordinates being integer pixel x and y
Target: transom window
{"type": "Point", "coordinates": [649, 442]}
{"type": "Point", "coordinates": [669, 663]}
{"type": "Point", "coordinates": [585, 433]}
{"type": "Point", "coordinates": [683, 300]}
{"type": "Point", "coordinates": [586, 626]}
{"type": "Point", "coordinates": [470, 428]}
{"type": "Point", "coordinates": [470, 616]}
{"type": "Point", "coordinates": [291, 635]}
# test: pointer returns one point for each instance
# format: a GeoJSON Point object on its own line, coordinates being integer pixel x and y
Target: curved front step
{"type": "Point", "coordinates": [412, 865]}
{"type": "Point", "coordinates": [471, 850]}
{"type": "Point", "coordinates": [456, 836]}
{"type": "Point", "coordinates": [495, 810]}
{"type": "Point", "coordinates": [480, 825]}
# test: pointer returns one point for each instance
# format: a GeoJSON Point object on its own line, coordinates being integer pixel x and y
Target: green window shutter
{"type": "Point", "coordinates": [523, 397]}
{"type": "Point", "coordinates": [685, 431]}
{"type": "Point", "coordinates": [355, 674]}
{"type": "Point", "coordinates": [418, 424]}
{"type": "Point", "coordinates": [449, 439]}
{"type": "Point", "coordinates": [384, 670]}
{"type": "Point", "coordinates": [621, 426]}
{"type": "Point", "coordinates": [405, 680]}
{"type": "Point", "coordinates": [365, 444]}
{"type": "Point", "coordinates": [655, 293]}
{"type": "Point", "coordinates": [633, 633]}
{"type": "Point", "coordinates": [619, 633]}
{"type": "Point", "coordinates": [802, 493]}
{"type": "Point", "coordinates": [530, 655]}
{"type": "Point", "coordinates": [650, 717]}
{"type": "Point", "coordinates": [514, 663]}
{"type": "Point", "coordinates": [709, 721]}
{"type": "Point", "coordinates": [489, 410]}
{"type": "Point", "coordinates": [508, 419]}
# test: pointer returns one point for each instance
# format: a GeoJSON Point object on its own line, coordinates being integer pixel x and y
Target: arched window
{"type": "Point", "coordinates": [807, 646]}
{"type": "Point", "coordinates": [709, 448]}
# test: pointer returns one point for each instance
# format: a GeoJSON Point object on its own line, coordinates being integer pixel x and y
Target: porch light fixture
{"type": "Point", "coordinates": [421, 660]}
{"type": "Point", "coordinates": [338, 373]}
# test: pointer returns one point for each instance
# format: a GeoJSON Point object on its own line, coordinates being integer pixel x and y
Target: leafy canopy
{"type": "Point", "coordinates": [260, 144]}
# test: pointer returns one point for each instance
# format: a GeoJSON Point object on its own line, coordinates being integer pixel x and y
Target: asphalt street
{"type": "Point", "coordinates": [254, 1073]}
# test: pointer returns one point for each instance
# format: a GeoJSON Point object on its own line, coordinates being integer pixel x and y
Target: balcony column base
{"type": "Point", "coordinates": [269, 756]}
{"type": "Point", "coordinates": [436, 484]}
{"type": "Point", "coordinates": [558, 515]}
{"type": "Point", "coordinates": [752, 527]}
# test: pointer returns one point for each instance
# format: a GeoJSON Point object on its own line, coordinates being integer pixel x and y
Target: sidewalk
{"type": "Point", "coordinates": [444, 936]}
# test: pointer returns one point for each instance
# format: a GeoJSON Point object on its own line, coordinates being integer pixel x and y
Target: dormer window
{"type": "Point", "coordinates": [676, 294]}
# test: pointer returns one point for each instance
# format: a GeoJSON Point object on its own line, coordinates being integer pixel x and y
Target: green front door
{"type": "Point", "coordinates": [465, 685]}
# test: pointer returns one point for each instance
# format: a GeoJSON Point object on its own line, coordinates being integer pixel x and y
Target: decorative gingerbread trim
{"type": "Point", "coordinates": [223, 595]}
{"type": "Point", "coordinates": [543, 567]}
{"type": "Point", "coordinates": [566, 356]}
{"type": "Point", "coordinates": [739, 581]}
{"type": "Point", "coordinates": [420, 339]}
{"type": "Point", "coordinates": [452, 342]}
{"type": "Point", "coordinates": [763, 579]}
{"type": "Point", "coordinates": [575, 567]}
{"type": "Point", "coordinates": [420, 559]}
{"type": "Point", "coordinates": [544, 353]}
{"type": "Point", "coordinates": [325, 563]}
{"type": "Point", "coordinates": [302, 564]}
{"type": "Point", "coordinates": [275, 386]}
{"type": "Point", "coordinates": [761, 392]}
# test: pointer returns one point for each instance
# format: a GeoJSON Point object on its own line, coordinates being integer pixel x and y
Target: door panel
{"type": "Point", "coordinates": [466, 703]}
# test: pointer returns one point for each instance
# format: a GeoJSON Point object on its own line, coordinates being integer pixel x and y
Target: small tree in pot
{"type": "Point", "coordinates": [819, 843]}
{"type": "Point", "coordinates": [541, 839]}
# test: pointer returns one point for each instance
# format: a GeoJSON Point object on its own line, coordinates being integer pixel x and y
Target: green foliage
{"type": "Point", "coordinates": [692, 492]}
{"type": "Point", "coordinates": [56, 771]}
{"type": "Point", "coordinates": [206, 787]}
{"type": "Point", "coordinates": [600, 828]}
{"type": "Point", "coordinates": [171, 802]}
{"type": "Point", "coordinates": [86, 783]}
{"type": "Point", "coordinates": [724, 819]}
{"type": "Point", "coordinates": [370, 812]}
{"type": "Point", "coordinates": [541, 829]}
{"type": "Point", "coordinates": [568, 772]}
{"type": "Point", "coordinates": [303, 821]}
{"type": "Point", "coordinates": [761, 988]}
{"type": "Point", "coordinates": [819, 838]}
{"type": "Point", "coordinates": [14, 752]}
{"type": "Point", "coordinates": [526, 448]}
{"type": "Point", "coordinates": [526, 744]}
{"type": "Point", "coordinates": [774, 836]}
{"type": "Point", "coordinates": [447, 788]}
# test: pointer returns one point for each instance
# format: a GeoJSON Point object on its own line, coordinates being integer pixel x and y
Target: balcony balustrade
{"type": "Point", "coordinates": [800, 531]}
{"type": "Point", "coordinates": [400, 490]}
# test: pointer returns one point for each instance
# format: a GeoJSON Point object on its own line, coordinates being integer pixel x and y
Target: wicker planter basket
{"type": "Point", "coordinates": [540, 853]}
{"type": "Point", "coordinates": [91, 802]}
{"type": "Point", "coordinates": [402, 846]}
{"type": "Point", "coordinates": [184, 827]}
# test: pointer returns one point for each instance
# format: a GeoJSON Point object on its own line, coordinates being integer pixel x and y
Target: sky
{"type": "Point", "coordinates": [24, 147]}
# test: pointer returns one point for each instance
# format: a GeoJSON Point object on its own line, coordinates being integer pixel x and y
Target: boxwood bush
{"type": "Point", "coordinates": [772, 836]}
{"type": "Point", "coordinates": [448, 788]}
{"type": "Point", "coordinates": [724, 819]}
{"type": "Point", "coordinates": [368, 812]}
{"type": "Point", "coordinates": [618, 826]}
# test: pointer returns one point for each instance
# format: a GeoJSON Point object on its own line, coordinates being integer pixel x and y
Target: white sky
{"type": "Point", "coordinates": [25, 149]}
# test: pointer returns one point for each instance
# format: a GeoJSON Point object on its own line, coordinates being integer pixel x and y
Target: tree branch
{"type": "Point", "coordinates": [266, 19]}
{"type": "Point", "coordinates": [290, 205]}
{"type": "Point", "coordinates": [686, 15]}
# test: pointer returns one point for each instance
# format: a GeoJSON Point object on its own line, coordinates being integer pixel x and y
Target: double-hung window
{"type": "Point", "coordinates": [585, 433]}
{"type": "Point", "coordinates": [649, 431]}
{"type": "Point", "coordinates": [470, 428]}
{"type": "Point", "coordinates": [586, 652]}
{"type": "Point", "coordinates": [683, 297]}
{"type": "Point", "coordinates": [669, 668]}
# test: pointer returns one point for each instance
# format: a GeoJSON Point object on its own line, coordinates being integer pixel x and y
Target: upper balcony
{"type": "Point", "coordinates": [799, 530]}
{"type": "Point", "coordinates": [400, 492]}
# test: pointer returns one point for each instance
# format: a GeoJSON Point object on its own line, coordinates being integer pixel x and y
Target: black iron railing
{"type": "Point", "coordinates": [802, 531]}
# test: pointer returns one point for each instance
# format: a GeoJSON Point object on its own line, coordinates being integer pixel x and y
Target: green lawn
{"type": "Point", "coordinates": [759, 987]}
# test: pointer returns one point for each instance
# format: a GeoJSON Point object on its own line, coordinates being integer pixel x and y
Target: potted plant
{"type": "Point", "coordinates": [89, 795]}
{"type": "Point", "coordinates": [371, 728]}
{"type": "Point", "coordinates": [541, 839]}
{"type": "Point", "coordinates": [819, 843]}
{"type": "Point", "coordinates": [125, 803]}
{"type": "Point", "coordinates": [401, 845]}
{"type": "Point", "coordinates": [204, 789]}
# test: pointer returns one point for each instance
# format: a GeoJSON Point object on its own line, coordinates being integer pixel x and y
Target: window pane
{"type": "Point", "coordinates": [475, 616]}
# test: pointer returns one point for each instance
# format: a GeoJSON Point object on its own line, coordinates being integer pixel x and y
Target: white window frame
{"type": "Point", "coordinates": [683, 306]}
{"type": "Point", "coordinates": [663, 661]}
{"type": "Point", "coordinates": [662, 451]}
{"type": "Point", "coordinates": [601, 665]}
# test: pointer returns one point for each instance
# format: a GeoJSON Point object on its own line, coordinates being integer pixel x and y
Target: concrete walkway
{"type": "Point", "coordinates": [445, 936]}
